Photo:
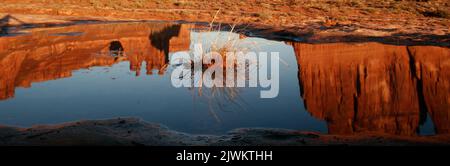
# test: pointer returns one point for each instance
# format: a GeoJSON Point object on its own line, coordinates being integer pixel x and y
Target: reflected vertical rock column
{"type": "Point", "coordinates": [155, 47]}
{"type": "Point", "coordinates": [360, 87]}
{"type": "Point", "coordinates": [432, 69]}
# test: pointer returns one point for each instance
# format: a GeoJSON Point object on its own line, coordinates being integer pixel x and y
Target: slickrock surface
{"type": "Point", "coordinates": [133, 132]}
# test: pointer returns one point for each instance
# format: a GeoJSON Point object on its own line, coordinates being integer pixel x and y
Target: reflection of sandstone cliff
{"type": "Point", "coordinates": [374, 87]}
{"type": "Point", "coordinates": [154, 48]}
{"type": "Point", "coordinates": [49, 55]}
{"type": "Point", "coordinates": [36, 63]}
{"type": "Point", "coordinates": [357, 88]}
{"type": "Point", "coordinates": [178, 43]}
{"type": "Point", "coordinates": [432, 69]}
{"type": "Point", "coordinates": [10, 66]}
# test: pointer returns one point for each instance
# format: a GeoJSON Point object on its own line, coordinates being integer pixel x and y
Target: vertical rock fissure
{"type": "Point", "coordinates": [416, 76]}
{"type": "Point", "coordinates": [355, 97]}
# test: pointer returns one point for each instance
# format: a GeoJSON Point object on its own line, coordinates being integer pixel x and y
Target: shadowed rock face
{"type": "Point", "coordinates": [373, 87]}
{"type": "Point", "coordinates": [51, 54]}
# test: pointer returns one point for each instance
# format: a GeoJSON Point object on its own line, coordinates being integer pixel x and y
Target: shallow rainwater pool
{"type": "Point", "coordinates": [124, 70]}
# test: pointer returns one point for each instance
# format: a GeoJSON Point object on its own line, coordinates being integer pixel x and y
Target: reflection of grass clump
{"type": "Point", "coordinates": [222, 98]}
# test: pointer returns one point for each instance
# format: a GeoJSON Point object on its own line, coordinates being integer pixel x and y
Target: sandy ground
{"type": "Point", "coordinates": [134, 132]}
{"type": "Point", "coordinates": [390, 21]}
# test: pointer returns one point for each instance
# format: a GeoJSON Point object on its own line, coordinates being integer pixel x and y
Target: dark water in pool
{"type": "Point", "coordinates": [103, 71]}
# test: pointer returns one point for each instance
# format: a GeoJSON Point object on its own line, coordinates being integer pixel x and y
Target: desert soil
{"type": "Point", "coordinates": [424, 22]}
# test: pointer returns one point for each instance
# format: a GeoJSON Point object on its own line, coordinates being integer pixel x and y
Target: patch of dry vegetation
{"type": "Point", "coordinates": [265, 9]}
{"type": "Point", "coordinates": [294, 14]}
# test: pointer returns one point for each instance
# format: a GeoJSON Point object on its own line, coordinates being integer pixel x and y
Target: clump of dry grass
{"type": "Point", "coordinates": [439, 13]}
{"type": "Point", "coordinates": [183, 3]}
{"type": "Point", "coordinates": [221, 98]}
{"type": "Point", "coordinates": [265, 15]}
{"type": "Point", "coordinates": [96, 3]}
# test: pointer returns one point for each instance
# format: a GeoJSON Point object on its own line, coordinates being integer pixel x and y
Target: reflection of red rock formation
{"type": "Point", "coordinates": [45, 62]}
{"type": "Point", "coordinates": [357, 88]}
{"type": "Point", "coordinates": [43, 65]}
{"type": "Point", "coordinates": [41, 57]}
{"type": "Point", "coordinates": [432, 68]}
{"type": "Point", "coordinates": [154, 48]}
{"type": "Point", "coordinates": [10, 66]}
{"type": "Point", "coordinates": [178, 43]}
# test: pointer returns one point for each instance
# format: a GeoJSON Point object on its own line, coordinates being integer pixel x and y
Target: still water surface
{"type": "Point", "coordinates": [102, 71]}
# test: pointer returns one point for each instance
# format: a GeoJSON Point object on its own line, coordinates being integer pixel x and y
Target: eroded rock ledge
{"type": "Point", "coordinates": [135, 132]}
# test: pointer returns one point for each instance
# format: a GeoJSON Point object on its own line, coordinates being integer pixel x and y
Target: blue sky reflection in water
{"type": "Point", "coordinates": [111, 92]}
